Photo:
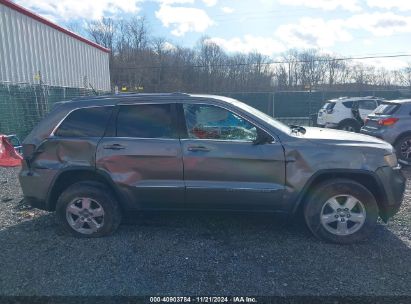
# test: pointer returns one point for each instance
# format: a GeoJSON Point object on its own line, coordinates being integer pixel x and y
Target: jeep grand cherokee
{"type": "Point", "coordinates": [93, 159]}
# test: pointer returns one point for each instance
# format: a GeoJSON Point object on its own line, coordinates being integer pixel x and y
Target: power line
{"type": "Point", "coordinates": [267, 63]}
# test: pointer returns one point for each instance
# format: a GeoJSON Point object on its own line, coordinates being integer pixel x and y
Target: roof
{"type": "Point", "coordinates": [43, 20]}
{"type": "Point", "coordinates": [345, 98]}
{"type": "Point", "coordinates": [399, 101]}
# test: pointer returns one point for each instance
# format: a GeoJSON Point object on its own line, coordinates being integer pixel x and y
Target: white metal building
{"type": "Point", "coordinates": [33, 48]}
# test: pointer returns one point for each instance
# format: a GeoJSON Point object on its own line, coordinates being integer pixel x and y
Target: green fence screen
{"type": "Point", "coordinates": [22, 106]}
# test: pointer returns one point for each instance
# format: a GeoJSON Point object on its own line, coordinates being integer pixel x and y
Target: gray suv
{"type": "Point", "coordinates": [391, 121]}
{"type": "Point", "coordinates": [92, 160]}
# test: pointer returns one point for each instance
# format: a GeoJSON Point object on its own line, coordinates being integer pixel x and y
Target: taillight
{"type": "Point", "coordinates": [366, 120]}
{"type": "Point", "coordinates": [387, 121]}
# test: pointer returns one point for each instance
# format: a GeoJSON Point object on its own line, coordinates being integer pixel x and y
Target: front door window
{"type": "Point", "coordinates": [212, 122]}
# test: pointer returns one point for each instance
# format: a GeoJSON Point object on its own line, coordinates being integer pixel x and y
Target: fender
{"type": "Point", "coordinates": [406, 133]}
{"type": "Point", "coordinates": [353, 174]}
{"type": "Point", "coordinates": [101, 175]}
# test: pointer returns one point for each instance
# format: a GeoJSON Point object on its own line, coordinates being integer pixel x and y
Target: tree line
{"type": "Point", "coordinates": [141, 61]}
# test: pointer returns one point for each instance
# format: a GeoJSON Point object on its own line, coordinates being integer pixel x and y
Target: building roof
{"type": "Point", "coordinates": [43, 20]}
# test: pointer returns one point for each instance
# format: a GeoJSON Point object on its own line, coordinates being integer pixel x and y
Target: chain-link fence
{"type": "Point", "coordinates": [22, 106]}
{"type": "Point", "coordinates": [301, 107]}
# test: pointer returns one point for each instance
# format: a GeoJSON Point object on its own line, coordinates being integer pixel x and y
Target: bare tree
{"type": "Point", "coordinates": [102, 32]}
{"type": "Point", "coordinates": [139, 33]}
{"type": "Point", "coordinates": [140, 60]}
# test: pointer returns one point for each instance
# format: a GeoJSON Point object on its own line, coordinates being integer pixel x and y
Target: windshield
{"type": "Point", "coordinates": [270, 120]}
{"type": "Point", "coordinates": [328, 105]}
{"type": "Point", "coordinates": [386, 108]}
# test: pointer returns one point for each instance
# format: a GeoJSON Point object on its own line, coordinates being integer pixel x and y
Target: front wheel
{"type": "Point", "coordinates": [341, 211]}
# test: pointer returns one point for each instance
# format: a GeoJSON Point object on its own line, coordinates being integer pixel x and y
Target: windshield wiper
{"type": "Point", "coordinates": [299, 129]}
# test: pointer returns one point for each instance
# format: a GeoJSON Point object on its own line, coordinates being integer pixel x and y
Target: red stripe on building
{"type": "Point", "coordinates": [30, 14]}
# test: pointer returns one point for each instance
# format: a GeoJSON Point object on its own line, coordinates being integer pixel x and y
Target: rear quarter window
{"type": "Point", "coordinates": [86, 122]}
{"type": "Point", "coordinates": [387, 108]}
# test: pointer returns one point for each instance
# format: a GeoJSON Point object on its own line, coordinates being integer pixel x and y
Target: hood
{"type": "Point", "coordinates": [344, 138]}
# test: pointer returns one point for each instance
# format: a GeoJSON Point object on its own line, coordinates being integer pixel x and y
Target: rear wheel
{"type": "Point", "coordinates": [88, 210]}
{"type": "Point", "coordinates": [350, 126]}
{"type": "Point", "coordinates": [341, 211]}
{"type": "Point", "coordinates": [403, 149]}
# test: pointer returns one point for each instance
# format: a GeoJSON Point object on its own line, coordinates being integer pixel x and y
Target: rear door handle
{"type": "Point", "coordinates": [198, 149]}
{"type": "Point", "coordinates": [114, 147]}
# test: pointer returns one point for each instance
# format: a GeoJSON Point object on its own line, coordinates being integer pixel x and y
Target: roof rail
{"type": "Point", "coordinates": [129, 94]}
{"type": "Point", "coordinates": [180, 94]}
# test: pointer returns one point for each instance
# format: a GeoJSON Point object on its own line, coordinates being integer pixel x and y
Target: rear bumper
{"type": "Point", "coordinates": [392, 183]}
{"type": "Point", "coordinates": [379, 133]}
{"type": "Point", "coordinates": [35, 186]}
{"type": "Point", "coordinates": [36, 203]}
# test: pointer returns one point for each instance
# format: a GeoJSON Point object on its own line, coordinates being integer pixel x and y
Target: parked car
{"type": "Point", "coordinates": [15, 141]}
{"type": "Point", "coordinates": [346, 113]}
{"type": "Point", "coordinates": [391, 121]}
{"type": "Point", "coordinates": [92, 160]}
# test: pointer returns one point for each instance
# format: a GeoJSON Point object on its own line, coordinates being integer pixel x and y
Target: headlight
{"type": "Point", "coordinates": [391, 160]}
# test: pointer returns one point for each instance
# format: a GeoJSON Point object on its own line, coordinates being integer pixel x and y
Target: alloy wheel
{"type": "Point", "coordinates": [343, 215]}
{"type": "Point", "coordinates": [85, 215]}
{"type": "Point", "coordinates": [406, 148]}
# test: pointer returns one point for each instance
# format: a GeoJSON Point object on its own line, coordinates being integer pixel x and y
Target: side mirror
{"type": "Point", "coordinates": [262, 138]}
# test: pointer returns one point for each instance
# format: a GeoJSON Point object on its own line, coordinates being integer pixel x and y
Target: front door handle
{"type": "Point", "coordinates": [114, 147]}
{"type": "Point", "coordinates": [198, 149]}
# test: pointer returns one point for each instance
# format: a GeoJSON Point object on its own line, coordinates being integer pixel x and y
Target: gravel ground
{"type": "Point", "coordinates": [196, 254]}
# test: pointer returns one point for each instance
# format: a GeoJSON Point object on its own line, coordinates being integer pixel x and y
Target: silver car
{"type": "Point", "coordinates": [391, 121]}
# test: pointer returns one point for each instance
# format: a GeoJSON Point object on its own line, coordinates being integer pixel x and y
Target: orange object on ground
{"type": "Point", "coordinates": [8, 155]}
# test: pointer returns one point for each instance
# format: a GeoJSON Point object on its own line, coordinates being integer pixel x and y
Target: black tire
{"type": "Point", "coordinates": [98, 193]}
{"type": "Point", "coordinates": [350, 125]}
{"type": "Point", "coordinates": [324, 192]}
{"type": "Point", "coordinates": [398, 149]}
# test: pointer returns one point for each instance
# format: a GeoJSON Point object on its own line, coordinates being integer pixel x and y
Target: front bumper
{"type": "Point", "coordinates": [392, 186]}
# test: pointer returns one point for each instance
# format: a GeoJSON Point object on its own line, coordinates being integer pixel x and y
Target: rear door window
{"type": "Point", "coordinates": [367, 105]}
{"type": "Point", "coordinates": [86, 122]}
{"type": "Point", "coordinates": [348, 104]}
{"type": "Point", "coordinates": [387, 108]}
{"type": "Point", "coordinates": [145, 121]}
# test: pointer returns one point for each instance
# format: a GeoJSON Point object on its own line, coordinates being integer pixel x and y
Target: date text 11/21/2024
{"type": "Point", "coordinates": [237, 299]}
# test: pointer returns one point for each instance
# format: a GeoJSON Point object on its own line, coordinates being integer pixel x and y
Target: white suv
{"type": "Point", "coordinates": [340, 113]}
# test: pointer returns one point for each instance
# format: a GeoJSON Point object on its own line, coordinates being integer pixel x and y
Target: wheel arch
{"type": "Point", "coordinates": [401, 135]}
{"type": "Point", "coordinates": [366, 178]}
{"type": "Point", "coordinates": [73, 175]}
